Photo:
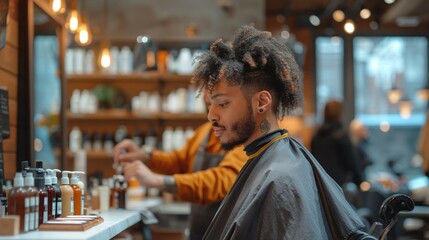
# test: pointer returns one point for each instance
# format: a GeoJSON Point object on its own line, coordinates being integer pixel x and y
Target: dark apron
{"type": "Point", "coordinates": [201, 215]}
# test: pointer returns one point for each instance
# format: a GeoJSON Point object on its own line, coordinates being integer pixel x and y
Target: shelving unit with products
{"type": "Point", "coordinates": [106, 121]}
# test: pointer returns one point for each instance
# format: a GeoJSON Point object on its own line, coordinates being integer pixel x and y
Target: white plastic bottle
{"type": "Point", "coordinates": [75, 139]}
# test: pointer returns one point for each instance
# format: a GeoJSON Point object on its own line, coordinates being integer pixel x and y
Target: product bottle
{"type": "Point", "coordinates": [67, 201]}
{"type": "Point", "coordinates": [33, 201]}
{"type": "Point", "coordinates": [57, 189]}
{"type": "Point", "coordinates": [95, 196]}
{"type": "Point", "coordinates": [19, 203]}
{"type": "Point", "coordinates": [24, 167]}
{"type": "Point", "coordinates": [120, 192]}
{"type": "Point", "coordinates": [77, 194]}
{"type": "Point", "coordinates": [75, 141]}
{"type": "Point", "coordinates": [47, 187]}
{"type": "Point", "coordinates": [39, 181]}
{"type": "Point", "coordinates": [121, 133]}
{"type": "Point", "coordinates": [51, 196]}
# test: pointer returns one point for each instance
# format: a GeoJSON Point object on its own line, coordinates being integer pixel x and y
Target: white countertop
{"type": "Point", "coordinates": [115, 221]}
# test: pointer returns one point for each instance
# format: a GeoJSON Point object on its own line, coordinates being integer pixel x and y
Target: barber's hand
{"type": "Point", "coordinates": [143, 174]}
{"type": "Point", "coordinates": [128, 151]}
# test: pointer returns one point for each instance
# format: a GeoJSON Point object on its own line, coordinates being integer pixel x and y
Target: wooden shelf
{"type": "Point", "coordinates": [133, 77]}
{"type": "Point", "coordinates": [124, 115]}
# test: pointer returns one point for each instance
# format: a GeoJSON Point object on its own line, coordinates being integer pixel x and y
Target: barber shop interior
{"type": "Point", "coordinates": [214, 119]}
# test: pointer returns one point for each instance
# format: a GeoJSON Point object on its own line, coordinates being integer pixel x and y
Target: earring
{"type": "Point", "coordinates": [261, 110]}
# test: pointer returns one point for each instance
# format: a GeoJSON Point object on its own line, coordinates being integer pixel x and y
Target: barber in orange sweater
{"type": "Point", "coordinates": [201, 172]}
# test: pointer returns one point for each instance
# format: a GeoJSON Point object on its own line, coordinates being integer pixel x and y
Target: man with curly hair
{"type": "Point", "coordinates": [252, 83]}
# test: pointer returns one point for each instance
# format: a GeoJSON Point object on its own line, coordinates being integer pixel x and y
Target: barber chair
{"type": "Point", "coordinates": [389, 209]}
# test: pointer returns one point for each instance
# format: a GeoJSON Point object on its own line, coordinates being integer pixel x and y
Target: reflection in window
{"type": "Point", "coordinates": [388, 73]}
{"type": "Point", "coordinates": [329, 72]}
{"type": "Point", "coordinates": [47, 95]}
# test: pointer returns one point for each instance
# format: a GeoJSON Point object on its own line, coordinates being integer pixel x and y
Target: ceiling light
{"type": "Point", "coordinates": [394, 95]}
{"type": "Point", "coordinates": [83, 36]}
{"type": "Point", "coordinates": [365, 13]}
{"type": "Point", "coordinates": [315, 20]}
{"type": "Point", "coordinates": [405, 108]}
{"type": "Point", "coordinates": [73, 19]}
{"type": "Point", "coordinates": [389, 1]}
{"type": "Point", "coordinates": [338, 15]}
{"type": "Point", "coordinates": [105, 57]}
{"type": "Point", "coordinates": [349, 26]}
{"type": "Point", "coordinates": [58, 6]}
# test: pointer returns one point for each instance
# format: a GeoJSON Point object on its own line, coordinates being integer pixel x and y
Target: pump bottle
{"type": "Point", "coordinates": [18, 202]}
{"type": "Point", "coordinates": [81, 185]}
{"type": "Point", "coordinates": [33, 201]}
{"type": "Point", "coordinates": [51, 196]}
{"type": "Point", "coordinates": [39, 181]}
{"type": "Point", "coordinates": [67, 200]}
{"type": "Point", "coordinates": [77, 194]}
{"type": "Point", "coordinates": [56, 208]}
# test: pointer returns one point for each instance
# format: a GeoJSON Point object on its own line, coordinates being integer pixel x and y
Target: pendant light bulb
{"type": "Point", "coordinates": [349, 26]}
{"type": "Point", "coordinates": [83, 36]}
{"type": "Point", "coordinates": [58, 6]}
{"type": "Point", "coordinates": [73, 19]}
{"type": "Point", "coordinates": [105, 57]}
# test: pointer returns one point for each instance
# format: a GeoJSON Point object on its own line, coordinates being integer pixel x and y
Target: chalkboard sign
{"type": "Point", "coordinates": [4, 114]}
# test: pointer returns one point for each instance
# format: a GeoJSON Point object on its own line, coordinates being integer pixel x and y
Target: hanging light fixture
{"type": "Point", "coordinates": [58, 6]}
{"type": "Point", "coordinates": [83, 36]}
{"type": "Point", "coordinates": [349, 26]}
{"type": "Point", "coordinates": [73, 19]}
{"type": "Point", "coordinates": [394, 95]}
{"type": "Point", "coordinates": [338, 15]}
{"type": "Point", "coordinates": [405, 108]}
{"type": "Point", "coordinates": [104, 57]}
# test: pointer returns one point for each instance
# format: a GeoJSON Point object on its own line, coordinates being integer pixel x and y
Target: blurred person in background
{"type": "Point", "coordinates": [359, 136]}
{"type": "Point", "coordinates": [200, 172]}
{"type": "Point", "coordinates": [332, 147]}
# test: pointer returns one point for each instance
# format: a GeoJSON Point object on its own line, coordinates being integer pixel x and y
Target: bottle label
{"type": "Point", "coordinates": [59, 206]}
{"type": "Point", "coordinates": [45, 209]}
{"type": "Point", "coordinates": [36, 213]}
{"type": "Point", "coordinates": [27, 215]}
{"type": "Point", "coordinates": [32, 213]}
{"type": "Point", "coordinates": [72, 205]}
{"type": "Point", "coordinates": [54, 208]}
{"type": "Point", "coordinates": [82, 204]}
{"type": "Point", "coordinates": [3, 206]}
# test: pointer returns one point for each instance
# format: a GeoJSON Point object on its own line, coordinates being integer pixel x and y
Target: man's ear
{"type": "Point", "coordinates": [264, 99]}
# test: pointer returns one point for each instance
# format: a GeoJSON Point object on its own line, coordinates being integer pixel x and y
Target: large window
{"type": "Point", "coordinates": [388, 72]}
{"type": "Point", "coordinates": [386, 75]}
{"type": "Point", "coordinates": [329, 72]}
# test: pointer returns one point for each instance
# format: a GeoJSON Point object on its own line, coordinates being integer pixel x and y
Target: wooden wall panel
{"type": "Point", "coordinates": [9, 80]}
{"type": "Point", "coordinates": [9, 59]}
{"type": "Point", "coordinates": [9, 165]}
{"type": "Point", "coordinates": [13, 112]}
{"type": "Point", "coordinates": [9, 145]}
{"type": "Point", "coordinates": [12, 32]}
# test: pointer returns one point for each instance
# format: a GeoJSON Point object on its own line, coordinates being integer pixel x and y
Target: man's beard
{"type": "Point", "coordinates": [243, 129]}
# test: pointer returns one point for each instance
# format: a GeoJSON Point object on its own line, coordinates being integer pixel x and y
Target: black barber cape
{"type": "Point", "coordinates": [275, 196]}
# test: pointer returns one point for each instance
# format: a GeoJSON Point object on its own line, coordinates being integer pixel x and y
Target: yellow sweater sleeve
{"type": "Point", "coordinates": [202, 187]}
{"type": "Point", "coordinates": [213, 184]}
